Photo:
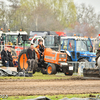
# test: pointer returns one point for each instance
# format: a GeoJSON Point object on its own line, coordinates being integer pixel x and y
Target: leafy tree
{"type": "Point", "coordinates": [38, 15]}
{"type": "Point", "coordinates": [60, 13]}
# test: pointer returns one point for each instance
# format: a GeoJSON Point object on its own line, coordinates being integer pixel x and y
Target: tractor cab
{"type": "Point", "coordinates": [78, 48]}
{"type": "Point", "coordinates": [51, 38]}
{"type": "Point", "coordinates": [14, 37]}
{"type": "Point", "coordinates": [49, 41]}
{"type": "Point", "coordinates": [14, 40]}
{"type": "Point", "coordinates": [52, 41]}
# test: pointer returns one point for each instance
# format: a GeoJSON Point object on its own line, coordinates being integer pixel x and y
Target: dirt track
{"type": "Point", "coordinates": [32, 87]}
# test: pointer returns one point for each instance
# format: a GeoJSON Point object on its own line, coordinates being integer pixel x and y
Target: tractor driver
{"type": "Point", "coordinates": [41, 48]}
{"type": "Point", "coordinates": [32, 57]}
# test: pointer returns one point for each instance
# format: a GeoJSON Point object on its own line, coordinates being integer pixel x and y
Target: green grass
{"type": "Point", "coordinates": [40, 76]}
{"type": "Point", "coordinates": [52, 97]}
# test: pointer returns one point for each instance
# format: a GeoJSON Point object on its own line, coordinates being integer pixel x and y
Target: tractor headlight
{"type": "Point", "coordinates": [62, 56]}
{"type": "Point", "coordinates": [64, 59]}
{"type": "Point", "coordinates": [93, 59]}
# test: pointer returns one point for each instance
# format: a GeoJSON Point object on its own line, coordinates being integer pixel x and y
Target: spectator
{"type": "Point", "coordinates": [10, 58]}
{"type": "Point", "coordinates": [4, 57]}
{"type": "Point", "coordinates": [32, 57]}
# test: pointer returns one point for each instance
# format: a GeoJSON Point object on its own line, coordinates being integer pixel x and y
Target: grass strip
{"type": "Point", "coordinates": [53, 97]}
{"type": "Point", "coordinates": [39, 75]}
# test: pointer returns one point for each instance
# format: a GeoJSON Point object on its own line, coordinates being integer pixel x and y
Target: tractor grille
{"type": "Point", "coordinates": [61, 61]}
{"type": "Point", "coordinates": [62, 56]}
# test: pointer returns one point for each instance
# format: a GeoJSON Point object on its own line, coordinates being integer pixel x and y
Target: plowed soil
{"type": "Point", "coordinates": [51, 87]}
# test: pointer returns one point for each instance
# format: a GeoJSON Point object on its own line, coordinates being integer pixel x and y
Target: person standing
{"type": "Point", "coordinates": [4, 57]}
{"type": "Point", "coordinates": [10, 58]}
{"type": "Point", "coordinates": [32, 57]}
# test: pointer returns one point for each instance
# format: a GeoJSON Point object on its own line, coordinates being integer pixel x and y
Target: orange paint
{"type": "Point", "coordinates": [23, 61]}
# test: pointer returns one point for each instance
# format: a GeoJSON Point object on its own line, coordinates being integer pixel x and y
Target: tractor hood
{"type": "Point", "coordinates": [87, 54]}
{"type": "Point", "coordinates": [52, 56]}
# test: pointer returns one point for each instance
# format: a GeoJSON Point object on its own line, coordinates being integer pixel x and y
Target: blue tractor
{"type": "Point", "coordinates": [78, 49]}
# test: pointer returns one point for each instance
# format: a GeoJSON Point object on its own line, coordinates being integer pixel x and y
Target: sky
{"type": "Point", "coordinates": [94, 3]}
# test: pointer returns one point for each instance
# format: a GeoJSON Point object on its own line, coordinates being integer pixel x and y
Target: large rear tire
{"type": "Point", "coordinates": [87, 72]}
{"type": "Point", "coordinates": [51, 69]}
{"type": "Point", "coordinates": [22, 61]}
{"type": "Point", "coordinates": [98, 59]}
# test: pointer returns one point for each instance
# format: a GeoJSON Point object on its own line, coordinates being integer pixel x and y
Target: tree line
{"type": "Point", "coordinates": [49, 15]}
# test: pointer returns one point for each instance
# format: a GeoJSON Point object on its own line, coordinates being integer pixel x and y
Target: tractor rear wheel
{"type": "Point", "coordinates": [98, 59]}
{"type": "Point", "coordinates": [51, 69]}
{"type": "Point", "coordinates": [22, 61]}
{"type": "Point", "coordinates": [88, 72]}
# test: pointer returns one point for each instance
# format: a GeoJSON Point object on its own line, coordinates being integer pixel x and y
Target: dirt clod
{"type": "Point", "coordinates": [92, 95]}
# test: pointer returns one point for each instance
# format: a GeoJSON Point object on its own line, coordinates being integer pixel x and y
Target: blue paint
{"type": "Point", "coordinates": [78, 54]}
{"type": "Point", "coordinates": [48, 63]}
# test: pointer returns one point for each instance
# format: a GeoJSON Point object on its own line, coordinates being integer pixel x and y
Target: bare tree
{"type": "Point", "coordinates": [13, 16]}
{"type": "Point", "coordinates": [3, 15]}
{"type": "Point", "coordinates": [45, 20]}
{"type": "Point", "coordinates": [87, 22]}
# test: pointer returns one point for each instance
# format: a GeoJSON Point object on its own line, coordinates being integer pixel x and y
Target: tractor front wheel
{"type": "Point", "coordinates": [69, 73]}
{"type": "Point", "coordinates": [51, 69]}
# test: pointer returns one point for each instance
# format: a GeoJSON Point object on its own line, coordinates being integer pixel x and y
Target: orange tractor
{"type": "Point", "coordinates": [53, 61]}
